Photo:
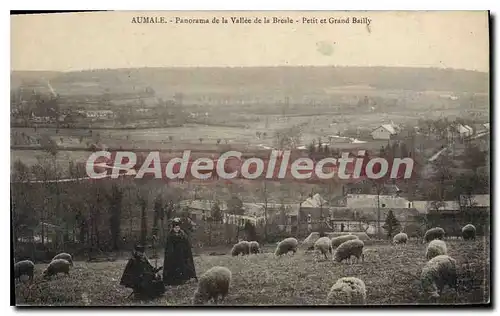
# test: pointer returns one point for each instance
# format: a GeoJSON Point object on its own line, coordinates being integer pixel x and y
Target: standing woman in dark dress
{"type": "Point", "coordinates": [178, 264]}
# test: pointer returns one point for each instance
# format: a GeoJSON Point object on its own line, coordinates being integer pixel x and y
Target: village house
{"type": "Point", "coordinates": [360, 212]}
{"type": "Point", "coordinates": [100, 114]}
{"type": "Point", "coordinates": [283, 216]}
{"type": "Point", "coordinates": [478, 200]}
{"type": "Point", "coordinates": [372, 200]}
{"type": "Point", "coordinates": [459, 131]}
{"type": "Point", "coordinates": [314, 208]}
{"type": "Point", "coordinates": [384, 132]}
{"type": "Point", "coordinates": [200, 210]}
{"type": "Point", "coordinates": [479, 129]}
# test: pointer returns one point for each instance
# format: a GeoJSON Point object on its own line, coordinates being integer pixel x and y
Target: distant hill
{"type": "Point", "coordinates": [31, 77]}
{"type": "Point", "coordinates": [295, 79]}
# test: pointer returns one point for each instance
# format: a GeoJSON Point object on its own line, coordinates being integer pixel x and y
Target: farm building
{"type": "Point", "coordinates": [459, 131]}
{"type": "Point", "coordinates": [474, 201]}
{"type": "Point", "coordinates": [371, 200]}
{"type": "Point", "coordinates": [452, 215]}
{"type": "Point", "coordinates": [366, 187]}
{"type": "Point", "coordinates": [385, 132]}
{"type": "Point", "coordinates": [201, 209]}
{"type": "Point", "coordinates": [100, 114]}
{"type": "Point", "coordinates": [479, 129]}
{"type": "Point", "coordinates": [345, 219]}
{"type": "Point", "coordinates": [314, 207]}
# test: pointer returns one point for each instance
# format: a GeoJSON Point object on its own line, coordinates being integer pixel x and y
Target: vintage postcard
{"type": "Point", "coordinates": [179, 158]}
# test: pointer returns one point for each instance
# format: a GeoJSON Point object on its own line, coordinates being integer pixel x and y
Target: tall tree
{"type": "Point", "coordinates": [265, 197]}
{"type": "Point", "coordinates": [158, 214]}
{"type": "Point", "coordinates": [391, 224]}
{"type": "Point", "coordinates": [115, 207]}
{"type": "Point", "coordinates": [474, 157]}
{"type": "Point", "coordinates": [144, 224]}
{"type": "Point", "coordinates": [216, 213]}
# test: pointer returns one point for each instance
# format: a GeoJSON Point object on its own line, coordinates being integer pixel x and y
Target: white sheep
{"type": "Point", "coordinates": [65, 256]}
{"type": "Point", "coordinates": [347, 291]}
{"type": "Point", "coordinates": [337, 241]}
{"type": "Point", "coordinates": [400, 238]}
{"type": "Point", "coordinates": [308, 243]}
{"type": "Point", "coordinates": [435, 248]}
{"type": "Point", "coordinates": [285, 246]}
{"type": "Point", "coordinates": [348, 249]}
{"type": "Point", "coordinates": [324, 245]}
{"type": "Point", "coordinates": [243, 247]}
{"type": "Point", "coordinates": [254, 247]}
{"type": "Point", "coordinates": [469, 232]}
{"type": "Point", "coordinates": [434, 233]}
{"type": "Point", "coordinates": [212, 284]}
{"type": "Point", "coordinates": [25, 267]}
{"type": "Point", "coordinates": [57, 266]}
{"type": "Point", "coordinates": [438, 272]}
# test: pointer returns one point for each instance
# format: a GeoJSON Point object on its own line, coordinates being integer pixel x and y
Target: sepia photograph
{"type": "Point", "coordinates": [250, 158]}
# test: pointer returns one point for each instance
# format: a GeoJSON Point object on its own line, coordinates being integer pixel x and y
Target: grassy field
{"type": "Point", "coordinates": [391, 274]}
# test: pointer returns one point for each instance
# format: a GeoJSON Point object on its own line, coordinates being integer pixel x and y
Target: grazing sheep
{"type": "Point", "coordinates": [285, 246]}
{"type": "Point", "coordinates": [57, 266]}
{"type": "Point", "coordinates": [254, 247]}
{"type": "Point", "coordinates": [65, 256]}
{"type": "Point", "coordinates": [400, 238]}
{"type": "Point", "coordinates": [337, 241]}
{"type": "Point", "coordinates": [435, 248]}
{"type": "Point", "coordinates": [25, 267]}
{"type": "Point", "coordinates": [469, 232]}
{"type": "Point", "coordinates": [350, 248]}
{"type": "Point", "coordinates": [347, 291]}
{"type": "Point", "coordinates": [324, 245]}
{"type": "Point", "coordinates": [212, 284]}
{"type": "Point", "coordinates": [361, 235]}
{"type": "Point", "coordinates": [243, 247]}
{"type": "Point", "coordinates": [438, 272]}
{"type": "Point", "coordinates": [308, 243]}
{"type": "Point", "coordinates": [434, 233]}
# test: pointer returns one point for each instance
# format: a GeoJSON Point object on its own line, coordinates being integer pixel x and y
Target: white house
{"type": "Point", "coordinates": [384, 131]}
{"type": "Point", "coordinates": [460, 130]}
{"type": "Point", "coordinates": [371, 201]}
{"type": "Point", "coordinates": [478, 200]}
{"type": "Point", "coordinates": [100, 114]}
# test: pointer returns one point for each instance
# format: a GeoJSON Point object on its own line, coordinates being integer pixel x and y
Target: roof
{"type": "Point", "coordinates": [253, 208]}
{"type": "Point", "coordinates": [478, 200]}
{"type": "Point", "coordinates": [389, 127]}
{"type": "Point", "coordinates": [371, 200]}
{"type": "Point", "coordinates": [314, 202]}
{"type": "Point", "coordinates": [205, 205]}
{"type": "Point", "coordinates": [370, 213]}
{"type": "Point", "coordinates": [463, 128]}
{"type": "Point", "coordinates": [250, 209]}
{"type": "Point", "coordinates": [258, 208]}
{"type": "Point", "coordinates": [481, 200]}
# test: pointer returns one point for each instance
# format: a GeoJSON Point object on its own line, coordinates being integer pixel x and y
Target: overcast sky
{"type": "Point", "coordinates": [77, 41]}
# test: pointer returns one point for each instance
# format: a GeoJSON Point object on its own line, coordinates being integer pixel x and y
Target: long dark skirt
{"type": "Point", "coordinates": [178, 264]}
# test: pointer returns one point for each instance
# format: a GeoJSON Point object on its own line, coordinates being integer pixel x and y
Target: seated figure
{"type": "Point", "coordinates": [141, 276]}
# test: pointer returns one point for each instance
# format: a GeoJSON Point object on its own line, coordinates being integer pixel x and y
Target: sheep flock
{"type": "Point", "coordinates": [439, 273]}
